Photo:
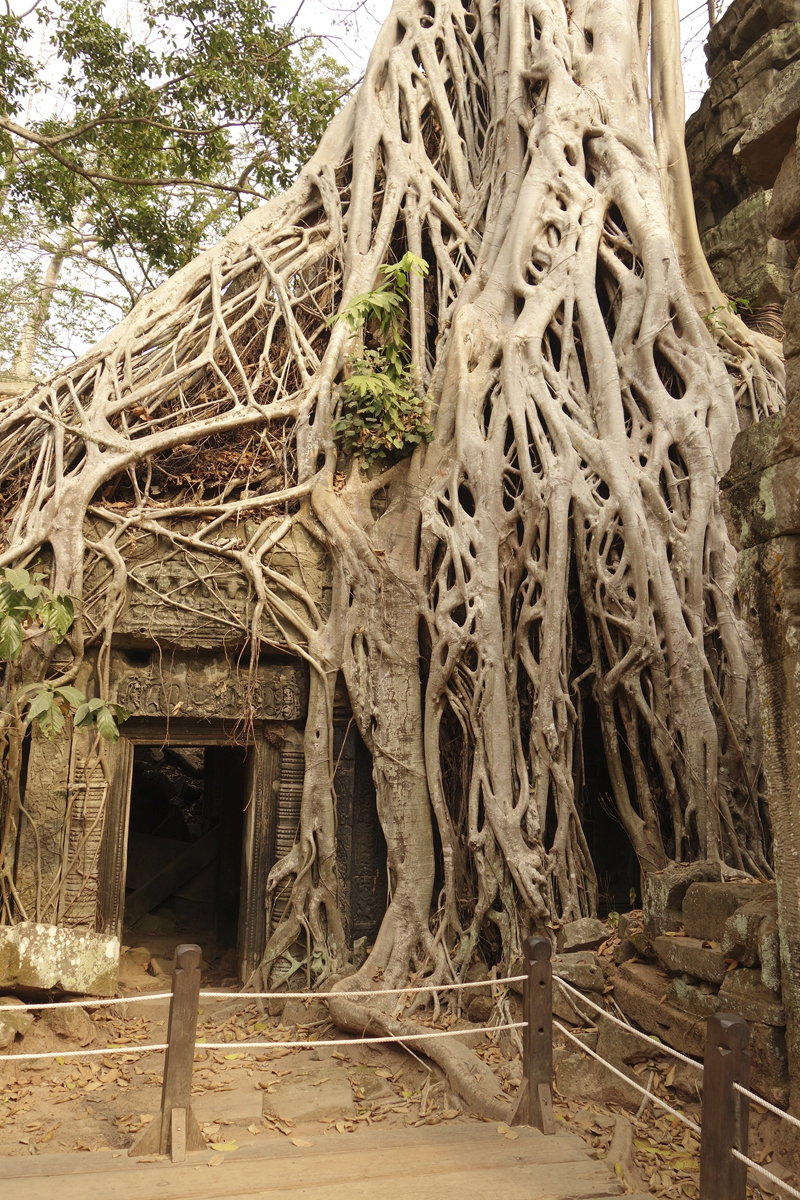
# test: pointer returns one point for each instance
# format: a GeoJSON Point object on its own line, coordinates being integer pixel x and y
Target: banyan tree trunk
{"type": "Point", "coordinates": [558, 543]}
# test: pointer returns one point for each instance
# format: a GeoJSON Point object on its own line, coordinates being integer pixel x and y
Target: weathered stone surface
{"type": "Point", "coordinates": [783, 214]}
{"type": "Point", "coordinates": [769, 953]}
{"type": "Point", "coordinates": [639, 990]}
{"type": "Point", "coordinates": [740, 939]}
{"type": "Point", "coordinates": [771, 131]}
{"type": "Point", "coordinates": [581, 968]}
{"type": "Point", "coordinates": [743, 992]}
{"type": "Point", "coordinates": [664, 892]}
{"type": "Point", "coordinates": [17, 1022]}
{"type": "Point", "coordinates": [480, 1009]}
{"type": "Point", "coordinates": [586, 934]}
{"type": "Point", "coordinates": [707, 906]}
{"type": "Point", "coordinates": [51, 957]}
{"type": "Point", "coordinates": [699, 999]}
{"type": "Point", "coordinates": [73, 1024]}
{"type": "Point", "coordinates": [207, 685]}
{"type": "Point", "coordinates": [624, 952]}
{"type": "Point", "coordinates": [766, 506]}
{"type": "Point", "coordinates": [690, 957]}
{"type": "Point", "coordinates": [791, 321]}
{"type": "Point", "coordinates": [305, 1012]}
{"type": "Point", "coordinates": [747, 260]}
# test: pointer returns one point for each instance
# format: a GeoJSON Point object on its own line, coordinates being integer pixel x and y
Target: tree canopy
{"type": "Point", "coordinates": [127, 147]}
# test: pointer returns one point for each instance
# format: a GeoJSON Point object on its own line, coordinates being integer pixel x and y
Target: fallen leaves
{"type": "Point", "coordinates": [298, 1141]}
{"type": "Point", "coordinates": [510, 1134]}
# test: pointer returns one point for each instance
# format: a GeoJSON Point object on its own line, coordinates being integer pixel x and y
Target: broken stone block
{"type": "Point", "coordinates": [305, 1012]}
{"type": "Point", "coordinates": [58, 958]}
{"type": "Point", "coordinates": [74, 1024]}
{"type": "Point", "coordinates": [769, 953]}
{"type": "Point", "coordinates": [783, 214]}
{"type": "Point", "coordinates": [707, 906]}
{"type": "Point", "coordinates": [585, 934]}
{"type": "Point", "coordinates": [699, 999]}
{"type": "Point", "coordinates": [12, 1023]}
{"type": "Point", "coordinates": [581, 968]}
{"type": "Point", "coordinates": [688, 956]}
{"type": "Point", "coordinates": [624, 952]}
{"type": "Point", "coordinates": [743, 992]}
{"type": "Point", "coordinates": [771, 132]}
{"type": "Point", "coordinates": [641, 991]}
{"type": "Point", "coordinates": [479, 1010]}
{"type": "Point", "coordinates": [369, 1087]}
{"type": "Point", "coordinates": [664, 892]}
{"type": "Point", "coordinates": [740, 939]}
{"type": "Point", "coordinates": [628, 922]}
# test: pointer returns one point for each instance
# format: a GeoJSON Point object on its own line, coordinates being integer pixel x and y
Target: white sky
{"type": "Point", "coordinates": [351, 37]}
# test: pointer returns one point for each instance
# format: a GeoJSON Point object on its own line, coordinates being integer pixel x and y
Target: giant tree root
{"type": "Point", "coordinates": [467, 1074]}
{"type": "Point", "coordinates": [558, 546]}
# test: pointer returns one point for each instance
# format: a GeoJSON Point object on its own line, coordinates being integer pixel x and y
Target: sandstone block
{"type": "Point", "coordinates": [699, 999]}
{"type": "Point", "coordinates": [783, 214]}
{"type": "Point", "coordinates": [304, 1012]}
{"type": "Point", "coordinates": [582, 969]}
{"type": "Point", "coordinates": [771, 132]}
{"type": "Point", "coordinates": [664, 892]}
{"type": "Point", "coordinates": [769, 953]}
{"type": "Point", "coordinates": [791, 325]}
{"type": "Point", "coordinates": [740, 936]}
{"type": "Point", "coordinates": [586, 934]}
{"type": "Point", "coordinates": [73, 1024]}
{"type": "Point", "coordinates": [480, 1009]}
{"type": "Point", "coordinates": [624, 952]}
{"type": "Point", "coordinates": [707, 906]}
{"type": "Point", "coordinates": [690, 957]}
{"type": "Point", "coordinates": [18, 1022]}
{"type": "Point", "coordinates": [58, 958]}
{"type": "Point", "coordinates": [639, 990]}
{"type": "Point", "coordinates": [744, 993]}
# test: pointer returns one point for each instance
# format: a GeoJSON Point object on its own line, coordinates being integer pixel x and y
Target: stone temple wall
{"type": "Point", "coordinates": [744, 154]}
{"type": "Point", "coordinates": [750, 52]}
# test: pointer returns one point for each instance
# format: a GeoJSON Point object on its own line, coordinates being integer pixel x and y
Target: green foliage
{"type": "Point", "coordinates": [27, 606]}
{"type": "Point", "coordinates": [715, 326]}
{"type": "Point", "coordinates": [143, 122]}
{"type": "Point", "coordinates": [382, 415]}
{"type": "Point", "coordinates": [131, 139]}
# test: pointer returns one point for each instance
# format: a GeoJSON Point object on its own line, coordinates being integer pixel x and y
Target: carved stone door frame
{"type": "Point", "coordinates": [263, 768]}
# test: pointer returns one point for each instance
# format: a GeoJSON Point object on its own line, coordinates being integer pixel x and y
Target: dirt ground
{"type": "Point", "coordinates": [103, 1102]}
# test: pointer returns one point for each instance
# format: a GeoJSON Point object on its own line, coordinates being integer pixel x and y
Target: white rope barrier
{"type": "Point", "coordinates": [362, 1041]}
{"type": "Point", "coordinates": [288, 1045]}
{"type": "Point", "coordinates": [397, 991]}
{"type": "Point", "coordinates": [784, 1116]}
{"type": "Point", "coordinates": [89, 1053]}
{"type": "Point", "coordinates": [249, 996]}
{"type": "Point", "coordinates": [85, 1003]}
{"type": "Point", "coordinates": [637, 1087]}
{"type": "Point", "coordinates": [754, 1166]}
{"type": "Point", "coordinates": [645, 1037]}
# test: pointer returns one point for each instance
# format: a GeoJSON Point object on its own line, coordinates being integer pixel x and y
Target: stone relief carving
{"type": "Point", "coordinates": [207, 686]}
{"type": "Point", "coordinates": [186, 597]}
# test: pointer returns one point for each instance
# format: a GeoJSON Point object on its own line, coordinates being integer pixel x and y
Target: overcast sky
{"type": "Point", "coordinates": [353, 36]}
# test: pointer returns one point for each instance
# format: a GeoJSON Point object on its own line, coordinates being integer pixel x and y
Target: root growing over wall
{"type": "Point", "coordinates": [561, 535]}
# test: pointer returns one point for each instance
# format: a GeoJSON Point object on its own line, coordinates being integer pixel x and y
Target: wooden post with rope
{"type": "Point", "coordinates": [535, 1103]}
{"type": "Point", "coordinates": [175, 1130]}
{"type": "Point", "coordinates": [725, 1112]}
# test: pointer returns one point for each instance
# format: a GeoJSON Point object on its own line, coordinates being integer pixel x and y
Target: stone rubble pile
{"type": "Point", "coordinates": [699, 946]}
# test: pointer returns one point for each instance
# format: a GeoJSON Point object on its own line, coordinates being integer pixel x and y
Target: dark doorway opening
{"type": "Point", "coordinates": [615, 861]}
{"type": "Point", "coordinates": [184, 857]}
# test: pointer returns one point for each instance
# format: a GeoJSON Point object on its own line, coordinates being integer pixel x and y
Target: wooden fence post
{"type": "Point", "coordinates": [535, 1104]}
{"type": "Point", "coordinates": [175, 1129]}
{"type": "Point", "coordinates": [725, 1113]}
